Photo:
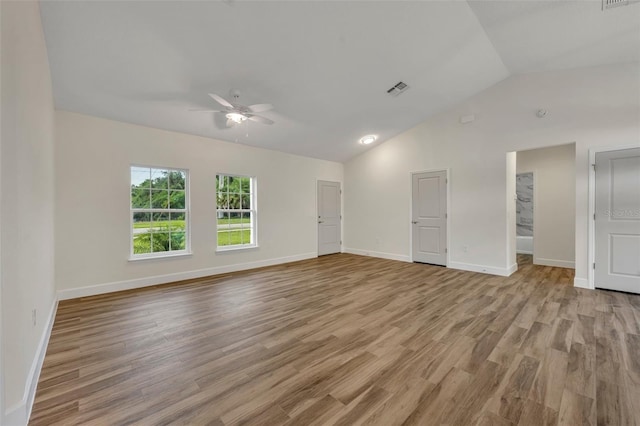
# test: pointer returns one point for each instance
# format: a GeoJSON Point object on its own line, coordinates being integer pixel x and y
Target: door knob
{"type": "Point", "coordinates": [321, 221]}
{"type": "Point", "coordinates": [414, 221]}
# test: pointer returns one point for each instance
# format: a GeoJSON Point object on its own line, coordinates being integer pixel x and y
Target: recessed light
{"type": "Point", "coordinates": [366, 140]}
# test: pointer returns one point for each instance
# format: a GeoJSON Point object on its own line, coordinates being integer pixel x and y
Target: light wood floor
{"type": "Point", "coordinates": [347, 340]}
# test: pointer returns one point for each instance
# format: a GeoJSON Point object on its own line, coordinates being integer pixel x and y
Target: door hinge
{"type": "Point", "coordinates": [340, 217]}
{"type": "Point", "coordinates": [446, 215]}
{"type": "Point", "coordinates": [594, 216]}
{"type": "Point", "coordinates": [594, 167]}
{"type": "Point", "coordinates": [446, 250]}
{"type": "Point", "coordinates": [594, 265]}
{"type": "Point", "coordinates": [340, 242]}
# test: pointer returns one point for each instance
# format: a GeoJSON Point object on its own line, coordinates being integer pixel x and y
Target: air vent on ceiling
{"type": "Point", "coordinates": [397, 89]}
{"type": "Point", "coordinates": [608, 4]}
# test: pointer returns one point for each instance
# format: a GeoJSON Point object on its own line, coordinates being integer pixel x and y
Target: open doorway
{"type": "Point", "coordinates": [545, 206]}
{"type": "Point", "coordinates": [525, 199]}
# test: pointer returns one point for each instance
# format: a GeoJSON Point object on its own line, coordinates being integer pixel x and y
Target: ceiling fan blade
{"type": "Point", "coordinates": [222, 101]}
{"type": "Point", "coordinates": [262, 120]}
{"type": "Point", "coordinates": [204, 110]}
{"type": "Point", "coordinates": [260, 107]}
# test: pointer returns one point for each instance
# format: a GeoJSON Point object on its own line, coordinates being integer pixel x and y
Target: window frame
{"type": "Point", "coordinates": [253, 210]}
{"type": "Point", "coordinates": [187, 215]}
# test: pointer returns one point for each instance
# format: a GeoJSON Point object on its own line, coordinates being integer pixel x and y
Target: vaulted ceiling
{"type": "Point", "coordinates": [324, 65]}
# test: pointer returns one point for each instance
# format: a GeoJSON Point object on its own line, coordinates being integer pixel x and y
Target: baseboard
{"type": "Point", "coordinates": [554, 262]}
{"type": "Point", "coordinates": [19, 414]}
{"type": "Point", "coordinates": [524, 252]}
{"type": "Point", "coordinates": [93, 290]}
{"type": "Point", "coordinates": [505, 272]}
{"type": "Point", "coordinates": [492, 270]}
{"type": "Point", "coordinates": [382, 255]}
{"type": "Point", "coordinates": [582, 283]}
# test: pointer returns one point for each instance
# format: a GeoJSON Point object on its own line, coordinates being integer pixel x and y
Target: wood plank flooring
{"type": "Point", "coordinates": [347, 340]}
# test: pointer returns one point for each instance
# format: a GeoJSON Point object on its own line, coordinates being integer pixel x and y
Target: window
{"type": "Point", "coordinates": [159, 212]}
{"type": "Point", "coordinates": [236, 221]}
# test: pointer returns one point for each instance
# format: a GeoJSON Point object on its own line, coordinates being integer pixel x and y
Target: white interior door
{"type": "Point", "coordinates": [329, 218]}
{"type": "Point", "coordinates": [617, 220]}
{"type": "Point", "coordinates": [429, 217]}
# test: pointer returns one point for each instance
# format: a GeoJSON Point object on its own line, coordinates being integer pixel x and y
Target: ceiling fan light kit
{"type": "Point", "coordinates": [237, 113]}
{"type": "Point", "coordinates": [236, 117]}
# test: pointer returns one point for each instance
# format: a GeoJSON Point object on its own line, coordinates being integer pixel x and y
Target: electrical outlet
{"type": "Point", "coordinates": [34, 317]}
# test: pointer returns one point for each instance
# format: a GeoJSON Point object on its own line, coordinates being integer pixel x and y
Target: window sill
{"type": "Point", "coordinates": [160, 256]}
{"type": "Point", "coordinates": [228, 249]}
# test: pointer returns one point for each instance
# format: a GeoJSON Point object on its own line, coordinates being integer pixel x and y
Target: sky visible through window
{"type": "Point", "coordinates": [139, 175]}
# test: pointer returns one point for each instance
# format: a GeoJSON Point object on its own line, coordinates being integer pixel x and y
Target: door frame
{"type": "Point", "coordinates": [448, 218]}
{"type": "Point", "coordinates": [315, 217]}
{"type": "Point", "coordinates": [591, 233]}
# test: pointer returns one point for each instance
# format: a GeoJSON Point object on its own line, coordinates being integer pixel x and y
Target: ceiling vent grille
{"type": "Point", "coordinates": [608, 4]}
{"type": "Point", "coordinates": [398, 88]}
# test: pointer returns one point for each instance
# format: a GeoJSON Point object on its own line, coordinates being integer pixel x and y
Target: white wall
{"type": "Point", "coordinates": [27, 194]}
{"type": "Point", "coordinates": [554, 203]}
{"type": "Point", "coordinates": [92, 159]}
{"type": "Point", "coordinates": [591, 107]}
{"type": "Point", "coordinates": [511, 211]}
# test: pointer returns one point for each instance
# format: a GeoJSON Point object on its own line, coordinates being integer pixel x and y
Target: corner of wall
{"type": "Point", "coordinates": [582, 283]}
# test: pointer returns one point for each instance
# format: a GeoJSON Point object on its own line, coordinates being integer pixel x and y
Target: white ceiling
{"type": "Point", "coordinates": [325, 66]}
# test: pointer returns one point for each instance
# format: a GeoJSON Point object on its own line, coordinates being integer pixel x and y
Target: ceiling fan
{"type": "Point", "coordinates": [237, 113]}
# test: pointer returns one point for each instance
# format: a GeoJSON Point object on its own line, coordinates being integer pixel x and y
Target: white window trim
{"type": "Point", "coordinates": [159, 255]}
{"type": "Point", "coordinates": [254, 214]}
{"type": "Point", "coordinates": [224, 249]}
{"type": "Point", "coordinates": [187, 215]}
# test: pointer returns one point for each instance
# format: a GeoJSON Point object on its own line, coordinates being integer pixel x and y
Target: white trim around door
{"type": "Point", "coordinates": [590, 282]}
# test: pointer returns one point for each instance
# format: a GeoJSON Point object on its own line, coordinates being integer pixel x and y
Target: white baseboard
{"type": "Point", "coordinates": [582, 283]}
{"type": "Point", "coordinates": [93, 290]}
{"type": "Point", "coordinates": [505, 272]}
{"type": "Point", "coordinates": [524, 252]}
{"type": "Point", "coordinates": [492, 270]}
{"type": "Point", "coordinates": [554, 262]}
{"type": "Point", "coordinates": [19, 414]}
{"type": "Point", "coordinates": [390, 256]}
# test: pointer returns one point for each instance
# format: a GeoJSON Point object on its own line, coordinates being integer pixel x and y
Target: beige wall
{"type": "Point", "coordinates": [92, 159]}
{"type": "Point", "coordinates": [27, 194]}
{"type": "Point", "coordinates": [554, 203]}
{"type": "Point", "coordinates": [592, 107]}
